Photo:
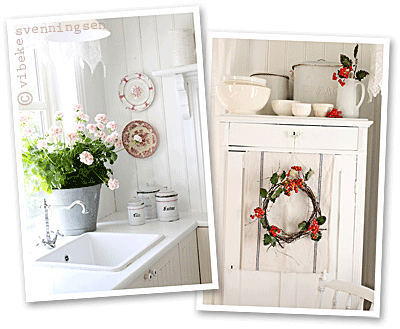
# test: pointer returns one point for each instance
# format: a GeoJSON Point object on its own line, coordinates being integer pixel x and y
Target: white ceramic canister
{"type": "Point", "coordinates": [312, 82]}
{"type": "Point", "coordinates": [136, 212]}
{"type": "Point", "coordinates": [148, 196]}
{"type": "Point", "coordinates": [279, 85]}
{"type": "Point", "coordinates": [183, 47]}
{"type": "Point", "coordinates": [167, 205]}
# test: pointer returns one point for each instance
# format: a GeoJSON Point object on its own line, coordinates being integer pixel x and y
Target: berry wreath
{"type": "Point", "coordinates": [286, 183]}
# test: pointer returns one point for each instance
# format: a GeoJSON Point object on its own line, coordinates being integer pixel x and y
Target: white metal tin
{"type": "Point", "coordinates": [279, 85]}
{"type": "Point", "coordinates": [147, 194]}
{"type": "Point", "coordinates": [312, 82]}
{"type": "Point", "coordinates": [136, 212]}
{"type": "Point", "coordinates": [167, 205]}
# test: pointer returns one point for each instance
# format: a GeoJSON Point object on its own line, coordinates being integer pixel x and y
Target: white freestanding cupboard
{"type": "Point", "coordinates": [346, 140]}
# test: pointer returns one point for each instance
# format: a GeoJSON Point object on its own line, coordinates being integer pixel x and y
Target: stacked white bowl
{"type": "Point", "coordinates": [243, 95]}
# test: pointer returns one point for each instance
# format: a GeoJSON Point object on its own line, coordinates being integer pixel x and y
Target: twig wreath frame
{"type": "Point", "coordinates": [286, 183]}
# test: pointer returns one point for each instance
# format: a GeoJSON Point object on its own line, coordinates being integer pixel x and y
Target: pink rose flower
{"type": "Point", "coordinates": [92, 128]}
{"type": "Point", "coordinates": [112, 125]}
{"type": "Point", "coordinates": [71, 138]}
{"type": "Point", "coordinates": [55, 131]}
{"type": "Point", "coordinates": [23, 119]}
{"type": "Point", "coordinates": [101, 118]}
{"type": "Point", "coordinates": [79, 127]}
{"type": "Point", "coordinates": [27, 131]}
{"type": "Point", "coordinates": [100, 134]}
{"type": "Point", "coordinates": [86, 158]}
{"type": "Point", "coordinates": [118, 143]}
{"type": "Point", "coordinates": [113, 184]}
{"type": "Point", "coordinates": [41, 143]}
{"type": "Point", "coordinates": [81, 117]}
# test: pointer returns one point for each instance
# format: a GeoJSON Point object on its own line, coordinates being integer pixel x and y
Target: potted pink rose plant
{"type": "Point", "coordinates": [72, 165]}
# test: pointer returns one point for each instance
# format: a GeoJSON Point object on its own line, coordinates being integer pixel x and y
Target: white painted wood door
{"type": "Point", "coordinates": [276, 289]}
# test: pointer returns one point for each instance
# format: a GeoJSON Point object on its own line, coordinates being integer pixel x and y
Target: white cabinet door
{"type": "Point", "coordinates": [189, 260]}
{"type": "Point", "coordinates": [203, 246]}
{"type": "Point", "coordinates": [279, 289]}
{"type": "Point", "coordinates": [180, 266]}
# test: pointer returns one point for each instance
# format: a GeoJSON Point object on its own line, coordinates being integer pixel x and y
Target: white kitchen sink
{"type": "Point", "coordinates": [100, 251]}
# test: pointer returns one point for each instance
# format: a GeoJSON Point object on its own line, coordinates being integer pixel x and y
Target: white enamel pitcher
{"type": "Point", "coordinates": [346, 100]}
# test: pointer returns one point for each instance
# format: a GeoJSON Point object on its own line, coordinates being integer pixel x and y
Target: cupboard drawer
{"type": "Point", "coordinates": [291, 136]}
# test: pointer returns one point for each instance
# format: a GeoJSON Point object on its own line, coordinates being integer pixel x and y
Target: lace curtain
{"type": "Point", "coordinates": [61, 52]}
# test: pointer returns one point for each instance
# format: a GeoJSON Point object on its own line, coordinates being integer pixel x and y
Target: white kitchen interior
{"type": "Point", "coordinates": [248, 147]}
{"type": "Point", "coordinates": [178, 253]}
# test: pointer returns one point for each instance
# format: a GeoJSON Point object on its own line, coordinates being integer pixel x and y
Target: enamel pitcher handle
{"type": "Point", "coordinates": [362, 93]}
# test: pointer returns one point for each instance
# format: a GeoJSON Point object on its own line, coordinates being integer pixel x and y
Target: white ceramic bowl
{"type": "Point", "coordinates": [244, 80]}
{"type": "Point", "coordinates": [301, 109]}
{"type": "Point", "coordinates": [243, 99]}
{"type": "Point", "coordinates": [321, 109]}
{"type": "Point", "coordinates": [283, 106]}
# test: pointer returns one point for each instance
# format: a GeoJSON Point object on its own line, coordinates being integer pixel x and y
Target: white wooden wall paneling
{"type": "Point", "coordinates": [143, 44]}
{"type": "Point", "coordinates": [116, 69]}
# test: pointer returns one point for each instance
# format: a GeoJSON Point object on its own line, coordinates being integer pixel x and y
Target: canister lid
{"type": "Point", "coordinates": [270, 74]}
{"type": "Point", "coordinates": [165, 193]}
{"type": "Point", "coordinates": [135, 202]}
{"type": "Point", "coordinates": [148, 189]}
{"type": "Point", "coordinates": [244, 80]}
{"type": "Point", "coordinates": [320, 62]}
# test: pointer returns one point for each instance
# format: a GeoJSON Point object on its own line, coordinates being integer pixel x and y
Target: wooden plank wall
{"type": "Point", "coordinates": [144, 44]}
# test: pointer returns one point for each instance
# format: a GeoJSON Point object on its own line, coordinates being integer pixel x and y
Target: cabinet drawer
{"type": "Point", "coordinates": [291, 136]}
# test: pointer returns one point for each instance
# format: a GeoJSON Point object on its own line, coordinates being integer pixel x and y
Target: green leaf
{"type": "Point", "coordinates": [274, 179]}
{"type": "Point", "coordinates": [361, 74]}
{"type": "Point", "coordinates": [308, 174]}
{"type": "Point", "coordinates": [355, 51]}
{"type": "Point", "coordinates": [346, 62]}
{"type": "Point", "coordinates": [277, 193]}
{"type": "Point", "coordinates": [318, 236]}
{"type": "Point", "coordinates": [283, 176]}
{"type": "Point", "coordinates": [321, 220]}
{"type": "Point", "coordinates": [303, 226]}
{"type": "Point", "coordinates": [263, 222]}
{"type": "Point", "coordinates": [263, 193]}
{"type": "Point", "coordinates": [267, 239]}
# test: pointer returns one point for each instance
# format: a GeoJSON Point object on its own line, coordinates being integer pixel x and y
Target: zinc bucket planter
{"type": "Point", "coordinates": [73, 221]}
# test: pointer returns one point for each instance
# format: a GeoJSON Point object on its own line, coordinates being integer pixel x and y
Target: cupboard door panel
{"type": "Point", "coordinates": [188, 255]}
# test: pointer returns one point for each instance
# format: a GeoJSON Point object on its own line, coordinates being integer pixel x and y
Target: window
{"type": "Point", "coordinates": [53, 88]}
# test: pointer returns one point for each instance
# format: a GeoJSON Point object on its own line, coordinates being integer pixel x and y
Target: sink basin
{"type": "Point", "coordinates": [100, 251]}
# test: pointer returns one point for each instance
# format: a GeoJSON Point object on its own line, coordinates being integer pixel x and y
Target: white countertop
{"type": "Point", "coordinates": [44, 283]}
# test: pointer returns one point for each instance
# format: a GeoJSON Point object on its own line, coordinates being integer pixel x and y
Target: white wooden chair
{"type": "Point", "coordinates": [359, 293]}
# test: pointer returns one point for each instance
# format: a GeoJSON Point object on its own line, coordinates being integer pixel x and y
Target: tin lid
{"type": "Point", "coordinates": [135, 202]}
{"type": "Point", "coordinates": [166, 192]}
{"type": "Point", "coordinates": [147, 189]}
{"type": "Point", "coordinates": [244, 80]}
{"type": "Point", "coordinates": [271, 74]}
{"type": "Point", "coordinates": [320, 62]}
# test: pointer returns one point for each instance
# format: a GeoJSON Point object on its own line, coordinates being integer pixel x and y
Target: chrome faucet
{"type": "Point", "coordinates": [51, 242]}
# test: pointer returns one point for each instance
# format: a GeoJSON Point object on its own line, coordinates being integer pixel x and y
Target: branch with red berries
{"type": "Point", "coordinates": [286, 183]}
{"type": "Point", "coordinates": [349, 69]}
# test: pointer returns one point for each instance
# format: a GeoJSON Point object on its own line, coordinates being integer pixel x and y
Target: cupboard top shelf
{"type": "Point", "coordinates": [185, 69]}
{"type": "Point", "coordinates": [288, 120]}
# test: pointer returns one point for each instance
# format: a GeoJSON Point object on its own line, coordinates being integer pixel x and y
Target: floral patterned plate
{"type": "Point", "coordinates": [136, 91]}
{"type": "Point", "coordinates": [139, 139]}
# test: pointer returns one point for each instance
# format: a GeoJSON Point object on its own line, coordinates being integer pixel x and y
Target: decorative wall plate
{"type": "Point", "coordinates": [136, 91]}
{"type": "Point", "coordinates": [139, 139]}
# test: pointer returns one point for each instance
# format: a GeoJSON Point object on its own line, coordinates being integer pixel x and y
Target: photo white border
{"type": "Point", "coordinates": [211, 35]}
{"type": "Point", "coordinates": [204, 135]}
